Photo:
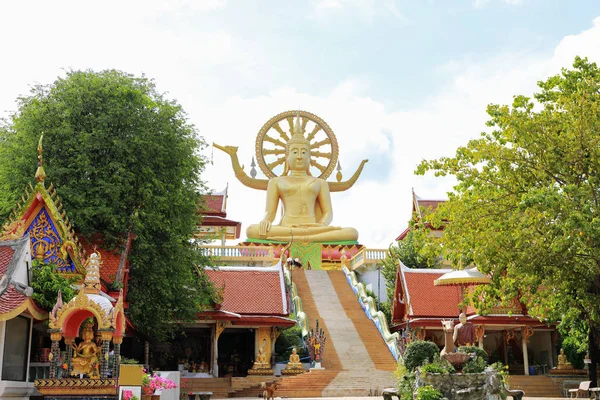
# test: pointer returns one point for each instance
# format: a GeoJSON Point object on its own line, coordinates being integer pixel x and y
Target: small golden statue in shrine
{"type": "Point", "coordinates": [261, 366]}
{"type": "Point", "coordinates": [563, 362]}
{"type": "Point", "coordinates": [85, 357]}
{"type": "Point", "coordinates": [294, 366]}
{"type": "Point", "coordinates": [307, 208]}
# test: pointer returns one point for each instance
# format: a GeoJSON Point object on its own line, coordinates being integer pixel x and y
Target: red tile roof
{"type": "Point", "coordinates": [214, 204]}
{"type": "Point", "coordinates": [250, 291]}
{"type": "Point", "coordinates": [6, 254]}
{"type": "Point", "coordinates": [427, 300]}
{"type": "Point", "coordinates": [11, 299]}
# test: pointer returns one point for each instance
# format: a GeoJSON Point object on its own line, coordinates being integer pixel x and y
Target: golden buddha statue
{"type": "Point", "coordinates": [294, 366]}
{"type": "Point", "coordinates": [261, 365]}
{"type": "Point", "coordinates": [85, 357]}
{"type": "Point", "coordinates": [563, 362]}
{"type": "Point", "coordinates": [307, 209]}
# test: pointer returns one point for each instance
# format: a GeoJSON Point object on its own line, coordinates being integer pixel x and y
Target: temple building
{"type": "Point", "coordinates": [508, 334]}
{"type": "Point", "coordinates": [215, 225]}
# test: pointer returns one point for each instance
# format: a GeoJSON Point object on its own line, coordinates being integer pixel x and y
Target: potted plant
{"type": "Point", "coordinates": [153, 385]}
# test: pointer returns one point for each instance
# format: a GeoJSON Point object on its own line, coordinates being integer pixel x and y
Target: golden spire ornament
{"type": "Point", "coordinates": [40, 174]}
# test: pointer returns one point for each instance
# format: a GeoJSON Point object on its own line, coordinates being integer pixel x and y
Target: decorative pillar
{"type": "Point", "coordinates": [505, 346]}
{"type": "Point", "coordinates": [117, 340]}
{"type": "Point", "coordinates": [480, 334]}
{"type": "Point", "coordinates": [219, 328]}
{"type": "Point", "coordinates": [525, 357]}
{"type": "Point", "coordinates": [275, 332]}
{"type": "Point", "coordinates": [54, 355]}
{"type": "Point", "coordinates": [106, 338]}
{"type": "Point", "coordinates": [69, 347]}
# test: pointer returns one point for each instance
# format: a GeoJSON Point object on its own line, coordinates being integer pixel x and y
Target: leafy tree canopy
{"type": "Point", "coordinates": [415, 251]}
{"type": "Point", "coordinates": [124, 159]}
{"type": "Point", "coordinates": [525, 208]}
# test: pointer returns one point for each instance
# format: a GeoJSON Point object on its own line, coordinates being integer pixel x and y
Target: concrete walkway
{"type": "Point", "coordinates": [376, 398]}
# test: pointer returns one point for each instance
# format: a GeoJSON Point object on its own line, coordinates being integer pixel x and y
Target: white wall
{"type": "Point", "coordinates": [371, 278]}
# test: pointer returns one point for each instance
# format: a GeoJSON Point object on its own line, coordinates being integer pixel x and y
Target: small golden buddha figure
{"type": "Point", "coordinates": [563, 362]}
{"type": "Point", "coordinates": [261, 365]}
{"type": "Point", "coordinates": [85, 357]}
{"type": "Point", "coordinates": [294, 366]}
{"type": "Point", "coordinates": [307, 209]}
{"type": "Point", "coordinates": [261, 361]}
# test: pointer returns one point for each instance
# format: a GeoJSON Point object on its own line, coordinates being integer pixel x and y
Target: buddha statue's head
{"type": "Point", "coordinates": [297, 150]}
{"type": "Point", "coordinates": [87, 332]}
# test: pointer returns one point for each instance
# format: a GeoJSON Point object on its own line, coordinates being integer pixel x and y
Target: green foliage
{"type": "Point", "coordinates": [502, 371]}
{"type": "Point", "coordinates": [474, 349]}
{"type": "Point", "coordinates": [386, 309]}
{"type": "Point", "coordinates": [405, 382]}
{"type": "Point", "coordinates": [290, 337]}
{"type": "Point", "coordinates": [574, 353]}
{"type": "Point", "coordinates": [123, 158]}
{"type": "Point", "coordinates": [525, 208]}
{"type": "Point", "coordinates": [428, 393]}
{"type": "Point", "coordinates": [46, 284]}
{"type": "Point", "coordinates": [419, 352]}
{"type": "Point", "coordinates": [438, 367]}
{"type": "Point", "coordinates": [475, 365]}
{"type": "Point", "coordinates": [415, 251]}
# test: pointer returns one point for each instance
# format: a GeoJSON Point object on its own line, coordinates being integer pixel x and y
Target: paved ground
{"type": "Point", "coordinates": [379, 398]}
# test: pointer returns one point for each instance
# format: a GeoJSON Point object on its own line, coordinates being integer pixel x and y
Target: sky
{"type": "Point", "coordinates": [397, 81]}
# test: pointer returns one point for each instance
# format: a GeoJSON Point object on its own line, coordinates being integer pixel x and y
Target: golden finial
{"type": "Point", "coordinates": [40, 174]}
{"type": "Point", "coordinates": [298, 132]}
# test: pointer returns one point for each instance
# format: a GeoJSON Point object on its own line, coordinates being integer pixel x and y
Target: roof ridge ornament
{"type": "Point", "coordinates": [40, 174]}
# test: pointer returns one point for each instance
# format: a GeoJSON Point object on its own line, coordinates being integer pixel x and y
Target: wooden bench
{"type": "Point", "coordinates": [388, 393]}
{"type": "Point", "coordinates": [199, 395]}
{"type": "Point", "coordinates": [584, 388]}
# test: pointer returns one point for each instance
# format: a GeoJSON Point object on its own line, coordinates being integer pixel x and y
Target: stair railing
{"type": "Point", "coordinates": [377, 317]}
{"type": "Point", "coordinates": [301, 317]}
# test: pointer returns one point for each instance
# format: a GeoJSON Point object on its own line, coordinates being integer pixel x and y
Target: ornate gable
{"type": "Point", "coordinates": [41, 215]}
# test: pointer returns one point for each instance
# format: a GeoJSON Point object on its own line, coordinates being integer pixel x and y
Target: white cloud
{"type": "Point", "coordinates": [380, 208]}
{"type": "Point", "coordinates": [483, 3]}
{"type": "Point", "coordinates": [187, 62]}
{"type": "Point", "coordinates": [366, 9]}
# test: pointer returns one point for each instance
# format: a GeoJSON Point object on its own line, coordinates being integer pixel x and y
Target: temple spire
{"type": "Point", "coordinates": [40, 174]}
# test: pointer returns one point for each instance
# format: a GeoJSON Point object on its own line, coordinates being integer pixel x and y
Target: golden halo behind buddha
{"type": "Point", "coordinates": [289, 127]}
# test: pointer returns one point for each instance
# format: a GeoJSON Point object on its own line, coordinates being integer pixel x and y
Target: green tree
{"type": "Point", "coordinates": [415, 251]}
{"type": "Point", "coordinates": [125, 160]}
{"type": "Point", "coordinates": [525, 209]}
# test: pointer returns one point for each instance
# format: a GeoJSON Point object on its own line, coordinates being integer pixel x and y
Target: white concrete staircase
{"type": "Point", "coordinates": [359, 376]}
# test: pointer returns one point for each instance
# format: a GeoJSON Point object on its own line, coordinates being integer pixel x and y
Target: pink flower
{"type": "Point", "coordinates": [127, 394]}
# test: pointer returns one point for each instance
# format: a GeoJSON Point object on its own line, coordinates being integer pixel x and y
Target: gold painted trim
{"type": "Point", "coordinates": [27, 305]}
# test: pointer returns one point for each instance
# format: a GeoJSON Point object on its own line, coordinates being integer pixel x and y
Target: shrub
{"type": "Point", "coordinates": [405, 383]}
{"type": "Point", "coordinates": [418, 352]}
{"type": "Point", "coordinates": [474, 349]}
{"type": "Point", "coordinates": [474, 366]}
{"type": "Point", "coordinates": [502, 371]}
{"type": "Point", "coordinates": [437, 367]}
{"type": "Point", "coordinates": [428, 393]}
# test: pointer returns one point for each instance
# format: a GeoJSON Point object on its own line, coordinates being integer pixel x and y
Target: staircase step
{"type": "Point", "coordinates": [369, 334]}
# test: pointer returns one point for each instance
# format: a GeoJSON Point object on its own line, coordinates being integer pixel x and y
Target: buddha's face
{"type": "Point", "coordinates": [298, 157]}
{"type": "Point", "coordinates": [462, 318]}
